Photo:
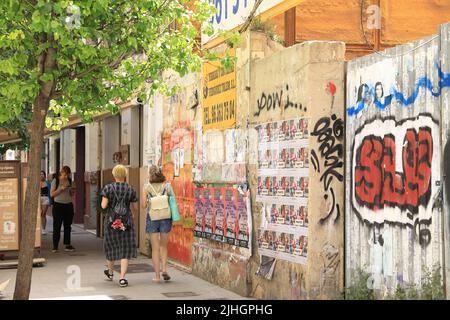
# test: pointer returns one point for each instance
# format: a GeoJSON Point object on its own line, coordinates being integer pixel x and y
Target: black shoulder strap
{"type": "Point", "coordinates": [115, 194]}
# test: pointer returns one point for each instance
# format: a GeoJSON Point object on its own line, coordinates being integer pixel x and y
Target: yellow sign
{"type": "Point", "coordinates": [219, 96]}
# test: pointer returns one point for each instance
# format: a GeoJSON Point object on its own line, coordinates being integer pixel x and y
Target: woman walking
{"type": "Point", "coordinates": [45, 200]}
{"type": "Point", "coordinates": [120, 237]}
{"type": "Point", "coordinates": [159, 229]}
{"type": "Point", "coordinates": [61, 192]}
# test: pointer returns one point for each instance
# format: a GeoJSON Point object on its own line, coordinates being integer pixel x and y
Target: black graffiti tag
{"type": "Point", "coordinates": [329, 133]}
{"type": "Point", "coordinates": [274, 100]}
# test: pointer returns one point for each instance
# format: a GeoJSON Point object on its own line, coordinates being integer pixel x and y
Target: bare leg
{"type": "Point", "coordinates": [163, 246]}
{"type": "Point", "coordinates": [44, 216]}
{"type": "Point", "coordinates": [154, 238]}
{"type": "Point", "coordinates": [123, 268]}
{"type": "Point", "coordinates": [110, 265]}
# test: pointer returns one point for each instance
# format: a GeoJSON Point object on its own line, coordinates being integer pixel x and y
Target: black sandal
{"type": "Point", "coordinates": [123, 282]}
{"type": "Point", "coordinates": [165, 276]}
{"type": "Point", "coordinates": [108, 275]}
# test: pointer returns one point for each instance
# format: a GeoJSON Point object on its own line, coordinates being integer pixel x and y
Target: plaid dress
{"type": "Point", "coordinates": [119, 244]}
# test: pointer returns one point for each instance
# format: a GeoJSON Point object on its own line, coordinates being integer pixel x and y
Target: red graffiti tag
{"type": "Point", "coordinates": [377, 184]}
{"type": "Point", "coordinates": [331, 88]}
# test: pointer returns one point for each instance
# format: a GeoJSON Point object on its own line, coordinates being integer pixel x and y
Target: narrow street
{"type": "Point", "coordinates": [54, 280]}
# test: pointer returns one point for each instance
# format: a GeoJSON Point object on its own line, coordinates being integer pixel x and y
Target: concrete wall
{"type": "Point", "coordinates": [110, 140]}
{"type": "Point", "coordinates": [317, 99]}
{"type": "Point", "coordinates": [218, 157]}
{"type": "Point", "coordinates": [68, 153]}
{"type": "Point", "coordinates": [52, 154]}
{"type": "Point", "coordinates": [92, 173]}
{"type": "Point", "coordinates": [393, 159]}
{"type": "Point", "coordinates": [306, 81]}
{"type": "Point", "coordinates": [152, 130]}
{"type": "Point", "coordinates": [92, 147]}
{"type": "Point", "coordinates": [130, 133]}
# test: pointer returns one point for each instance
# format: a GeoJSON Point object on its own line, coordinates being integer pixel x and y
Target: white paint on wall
{"type": "Point", "coordinates": [91, 143]}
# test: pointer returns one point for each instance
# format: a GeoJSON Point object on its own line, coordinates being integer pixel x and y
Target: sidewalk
{"type": "Point", "coordinates": [56, 279]}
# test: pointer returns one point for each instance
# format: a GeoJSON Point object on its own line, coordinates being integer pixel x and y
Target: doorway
{"type": "Point", "coordinates": [80, 167]}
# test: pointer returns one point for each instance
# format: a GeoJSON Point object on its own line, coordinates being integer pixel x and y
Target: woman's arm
{"type": "Point", "coordinates": [104, 202]}
{"type": "Point", "coordinates": [54, 192]}
{"type": "Point", "coordinates": [144, 198]}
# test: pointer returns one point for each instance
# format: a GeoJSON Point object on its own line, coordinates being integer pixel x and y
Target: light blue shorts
{"type": "Point", "coordinates": [159, 226]}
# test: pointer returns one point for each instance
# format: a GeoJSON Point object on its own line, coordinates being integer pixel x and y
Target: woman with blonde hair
{"type": "Point", "coordinates": [158, 229]}
{"type": "Point", "coordinates": [120, 236]}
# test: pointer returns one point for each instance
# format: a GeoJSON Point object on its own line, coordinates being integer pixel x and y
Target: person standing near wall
{"type": "Point", "coordinates": [62, 191]}
{"type": "Point", "coordinates": [159, 230]}
{"type": "Point", "coordinates": [120, 236]}
{"type": "Point", "coordinates": [45, 200]}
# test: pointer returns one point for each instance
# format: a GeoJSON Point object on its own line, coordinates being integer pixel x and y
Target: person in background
{"type": "Point", "coordinates": [45, 200]}
{"type": "Point", "coordinates": [62, 191]}
{"type": "Point", "coordinates": [159, 230]}
{"type": "Point", "coordinates": [119, 244]}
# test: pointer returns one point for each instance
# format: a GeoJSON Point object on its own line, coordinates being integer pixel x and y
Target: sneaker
{"type": "Point", "coordinates": [108, 275]}
{"type": "Point", "coordinates": [166, 276]}
{"type": "Point", "coordinates": [69, 248]}
{"type": "Point", "coordinates": [123, 282]}
{"type": "Point", "coordinates": [54, 250]}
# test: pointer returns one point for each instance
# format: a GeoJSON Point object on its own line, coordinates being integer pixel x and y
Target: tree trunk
{"type": "Point", "coordinates": [30, 211]}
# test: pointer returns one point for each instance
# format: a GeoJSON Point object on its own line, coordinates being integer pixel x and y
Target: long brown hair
{"type": "Point", "coordinates": [155, 175]}
{"type": "Point", "coordinates": [67, 170]}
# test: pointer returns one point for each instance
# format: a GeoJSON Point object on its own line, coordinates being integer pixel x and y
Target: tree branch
{"type": "Point", "coordinates": [250, 17]}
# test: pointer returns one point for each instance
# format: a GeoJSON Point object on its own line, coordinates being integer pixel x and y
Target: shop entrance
{"type": "Point", "coordinates": [79, 175]}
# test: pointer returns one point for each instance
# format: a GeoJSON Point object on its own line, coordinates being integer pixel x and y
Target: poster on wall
{"type": "Point", "coordinates": [231, 210]}
{"type": "Point", "coordinates": [219, 215]}
{"type": "Point", "coordinates": [176, 162]}
{"type": "Point", "coordinates": [224, 215]}
{"type": "Point", "coordinates": [219, 95]}
{"type": "Point", "coordinates": [208, 209]}
{"type": "Point", "coordinates": [283, 189]}
{"type": "Point", "coordinates": [266, 267]}
{"type": "Point", "coordinates": [199, 214]}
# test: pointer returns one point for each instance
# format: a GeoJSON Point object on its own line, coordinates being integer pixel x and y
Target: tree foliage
{"type": "Point", "coordinates": [106, 50]}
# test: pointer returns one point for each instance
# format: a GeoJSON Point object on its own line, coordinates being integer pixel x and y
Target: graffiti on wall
{"type": "Point", "coordinates": [394, 177]}
{"type": "Point", "coordinates": [274, 100]}
{"type": "Point", "coordinates": [177, 166]}
{"type": "Point", "coordinates": [329, 132]}
{"type": "Point", "coordinates": [375, 96]}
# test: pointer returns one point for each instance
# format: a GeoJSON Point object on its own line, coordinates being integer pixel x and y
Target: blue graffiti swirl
{"type": "Point", "coordinates": [444, 82]}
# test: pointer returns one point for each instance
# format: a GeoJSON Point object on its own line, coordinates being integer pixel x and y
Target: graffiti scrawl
{"type": "Point", "coordinates": [369, 96]}
{"type": "Point", "coordinates": [393, 175]}
{"type": "Point", "coordinates": [329, 133]}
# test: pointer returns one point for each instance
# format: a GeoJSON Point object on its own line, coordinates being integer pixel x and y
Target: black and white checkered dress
{"type": "Point", "coordinates": [119, 244]}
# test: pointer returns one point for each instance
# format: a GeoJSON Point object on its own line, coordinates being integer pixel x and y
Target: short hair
{"type": "Point", "coordinates": [119, 172]}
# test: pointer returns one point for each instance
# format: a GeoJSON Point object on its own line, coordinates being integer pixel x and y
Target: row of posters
{"type": "Point", "coordinates": [286, 130]}
{"type": "Point", "coordinates": [223, 214]}
{"type": "Point", "coordinates": [283, 189]}
{"type": "Point", "coordinates": [279, 157]}
{"type": "Point", "coordinates": [282, 186]}
{"type": "Point", "coordinates": [284, 246]}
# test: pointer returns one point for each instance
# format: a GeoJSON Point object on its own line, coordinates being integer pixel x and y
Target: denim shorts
{"type": "Point", "coordinates": [159, 226]}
